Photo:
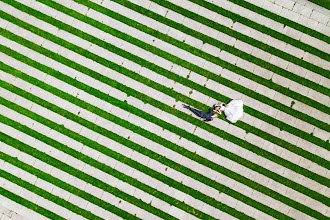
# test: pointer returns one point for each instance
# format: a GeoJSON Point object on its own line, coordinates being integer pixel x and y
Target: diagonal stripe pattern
{"type": "Point", "coordinates": [92, 124]}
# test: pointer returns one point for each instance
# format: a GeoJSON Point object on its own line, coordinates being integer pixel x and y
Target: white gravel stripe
{"type": "Point", "coordinates": [173, 120]}
{"type": "Point", "coordinates": [42, 184]}
{"type": "Point", "coordinates": [210, 66]}
{"type": "Point", "coordinates": [158, 167]}
{"type": "Point", "coordinates": [206, 100]}
{"type": "Point", "coordinates": [279, 27]}
{"type": "Point", "coordinates": [228, 74]}
{"type": "Point", "coordinates": [215, 51]}
{"type": "Point", "coordinates": [263, 89]}
{"type": "Point", "coordinates": [32, 197]}
{"type": "Point", "coordinates": [288, 191]}
{"type": "Point", "coordinates": [74, 181]}
{"type": "Point", "coordinates": [303, 12]}
{"type": "Point", "coordinates": [185, 125]}
{"type": "Point", "coordinates": [128, 152]}
{"type": "Point", "coordinates": [243, 29]}
{"type": "Point", "coordinates": [296, 122]}
{"type": "Point", "coordinates": [209, 49]}
{"type": "Point", "coordinates": [125, 169]}
{"type": "Point", "coordinates": [7, 212]}
{"type": "Point", "coordinates": [189, 200]}
{"type": "Point", "coordinates": [107, 160]}
{"type": "Point", "coordinates": [19, 209]}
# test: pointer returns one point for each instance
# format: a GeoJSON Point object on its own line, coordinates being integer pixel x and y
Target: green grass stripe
{"type": "Point", "coordinates": [28, 204]}
{"type": "Point", "coordinates": [194, 193]}
{"type": "Point", "coordinates": [103, 131]}
{"type": "Point", "coordinates": [268, 119]}
{"type": "Point", "coordinates": [249, 128]}
{"type": "Point", "coordinates": [210, 128]}
{"type": "Point", "coordinates": [79, 174]}
{"type": "Point", "coordinates": [160, 105]}
{"type": "Point", "coordinates": [262, 28]}
{"type": "Point", "coordinates": [111, 171]}
{"type": "Point", "coordinates": [230, 32]}
{"type": "Point", "coordinates": [218, 61]}
{"type": "Point", "coordinates": [32, 188]}
{"type": "Point", "coordinates": [63, 185]}
{"type": "Point", "coordinates": [130, 180]}
{"type": "Point", "coordinates": [245, 38]}
{"type": "Point", "coordinates": [225, 189]}
{"type": "Point", "coordinates": [285, 21]}
{"type": "Point", "coordinates": [207, 74]}
{"type": "Point", "coordinates": [178, 131]}
{"type": "Point", "coordinates": [323, 3]}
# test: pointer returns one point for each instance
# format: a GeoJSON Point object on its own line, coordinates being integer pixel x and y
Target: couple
{"type": "Point", "coordinates": [233, 111]}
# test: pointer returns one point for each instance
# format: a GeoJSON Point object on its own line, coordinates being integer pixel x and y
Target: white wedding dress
{"type": "Point", "coordinates": [234, 110]}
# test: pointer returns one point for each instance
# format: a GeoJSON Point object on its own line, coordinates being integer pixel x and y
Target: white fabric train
{"type": "Point", "coordinates": [233, 111]}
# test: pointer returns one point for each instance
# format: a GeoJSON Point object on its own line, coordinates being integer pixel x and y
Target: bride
{"type": "Point", "coordinates": [233, 110]}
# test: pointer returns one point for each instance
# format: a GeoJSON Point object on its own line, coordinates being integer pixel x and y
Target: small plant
{"type": "Point", "coordinates": [292, 103]}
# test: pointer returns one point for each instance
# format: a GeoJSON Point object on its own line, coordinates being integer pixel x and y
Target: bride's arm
{"type": "Point", "coordinates": [219, 112]}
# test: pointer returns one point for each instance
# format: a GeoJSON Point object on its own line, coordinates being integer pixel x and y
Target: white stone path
{"type": "Point", "coordinates": [193, 166]}
{"type": "Point", "coordinates": [6, 214]}
{"type": "Point", "coordinates": [304, 12]}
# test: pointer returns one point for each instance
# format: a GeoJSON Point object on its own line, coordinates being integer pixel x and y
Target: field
{"type": "Point", "coordinates": [92, 124]}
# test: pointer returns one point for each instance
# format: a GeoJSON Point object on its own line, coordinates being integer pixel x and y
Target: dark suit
{"type": "Point", "coordinates": [206, 115]}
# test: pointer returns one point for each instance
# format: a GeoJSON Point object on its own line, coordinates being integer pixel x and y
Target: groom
{"type": "Point", "coordinates": [207, 116]}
